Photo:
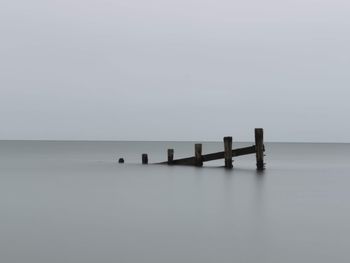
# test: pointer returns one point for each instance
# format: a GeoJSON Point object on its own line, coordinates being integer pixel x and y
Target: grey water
{"type": "Point", "coordinates": [72, 202]}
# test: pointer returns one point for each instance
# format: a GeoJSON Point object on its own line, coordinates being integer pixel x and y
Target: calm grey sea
{"type": "Point", "coordinates": [72, 202]}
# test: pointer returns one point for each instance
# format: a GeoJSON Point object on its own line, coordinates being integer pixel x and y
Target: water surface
{"type": "Point", "coordinates": [72, 202]}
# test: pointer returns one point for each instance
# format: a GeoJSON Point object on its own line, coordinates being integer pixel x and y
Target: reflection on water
{"type": "Point", "coordinates": [72, 202]}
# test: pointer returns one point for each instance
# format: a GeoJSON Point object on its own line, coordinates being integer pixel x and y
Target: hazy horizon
{"type": "Point", "coordinates": [175, 141]}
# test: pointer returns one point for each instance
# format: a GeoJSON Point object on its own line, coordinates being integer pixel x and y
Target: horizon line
{"type": "Point", "coordinates": [203, 141]}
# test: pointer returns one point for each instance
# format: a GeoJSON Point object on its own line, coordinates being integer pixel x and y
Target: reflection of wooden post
{"type": "Point", "coordinates": [144, 158]}
{"type": "Point", "coordinates": [228, 152]}
{"type": "Point", "coordinates": [259, 148]}
{"type": "Point", "coordinates": [170, 156]}
{"type": "Point", "coordinates": [198, 154]}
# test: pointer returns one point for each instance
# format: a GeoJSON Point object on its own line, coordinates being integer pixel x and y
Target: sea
{"type": "Point", "coordinates": [72, 202]}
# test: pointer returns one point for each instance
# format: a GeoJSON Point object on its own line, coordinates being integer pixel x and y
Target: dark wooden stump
{"type": "Point", "coordinates": [228, 152]}
{"type": "Point", "coordinates": [198, 154]}
{"type": "Point", "coordinates": [170, 156]}
{"type": "Point", "coordinates": [121, 160]}
{"type": "Point", "coordinates": [144, 158]}
{"type": "Point", "coordinates": [259, 148]}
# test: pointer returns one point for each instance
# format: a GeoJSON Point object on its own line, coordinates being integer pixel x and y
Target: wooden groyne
{"type": "Point", "coordinates": [198, 159]}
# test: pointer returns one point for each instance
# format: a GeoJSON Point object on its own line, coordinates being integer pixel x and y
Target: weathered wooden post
{"type": "Point", "coordinates": [121, 160]}
{"type": "Point", "coordinates": [259, 148]}
{"type": "Point", "coordinates": [198, 154]}
{"type": "Point", "coordinates": [228, 152]}
{"type": "Point", "coordinates": [170, 156]}
{"type": "Point", "coordinates": [144, 158]}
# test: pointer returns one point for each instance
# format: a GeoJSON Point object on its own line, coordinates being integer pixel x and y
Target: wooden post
{"type": "Point", "coordinates": [228, 152]}
{"type": "Point", "coordinates": [259, 148]}
{"type": "Point", "coordinates": [170, 156]}
{"type": "Point", "coordinates": [198, 154]}
{"type": "Point", "coordinates": [121, 160]}
{"type": "Point", "coordinates": [144, 158]}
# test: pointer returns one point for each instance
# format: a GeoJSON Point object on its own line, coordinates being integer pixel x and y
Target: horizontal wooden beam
{"type": "Point", "coordinates": [214, 156]}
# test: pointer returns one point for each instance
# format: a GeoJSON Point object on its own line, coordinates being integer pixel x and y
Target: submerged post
{"type": "Point", "coordinates": [259, 148]}
{"type": "Point", "coordinates": [198, 154]}
{"type": "Point", "coordinates": [170, 156]}
{"type": "Point", "coordinates": [144, 158]}
{"type": "Point", "coordinates": [121, 160]}
{"type": "Point", "coordinates": [228, 152]}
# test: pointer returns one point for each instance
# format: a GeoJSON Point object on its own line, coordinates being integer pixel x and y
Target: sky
{"type": "Point", "coordinates": [174, 70]}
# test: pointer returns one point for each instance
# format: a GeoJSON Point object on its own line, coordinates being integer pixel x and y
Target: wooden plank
{"type": "Point", "coordinates": [235, 152]}
{"type": "Point", "coordinates": [228, 152]}
{"type": "Point", "coordinates": [198, 154]}
{"type": "Point", "coordinates": [214, 156]}
{"type": "Point", "coordinates": [259, 145]}
{"type": "Point", "coordinates": [243, 151]}
{"type": "Point", "coordinates": [185, 161]}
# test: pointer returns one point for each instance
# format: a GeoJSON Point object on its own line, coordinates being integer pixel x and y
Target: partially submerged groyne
{"type": "Point", "coordinates": [198, 159]}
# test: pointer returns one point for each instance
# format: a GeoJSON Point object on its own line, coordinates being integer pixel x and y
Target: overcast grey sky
{"type": "Point", "coordinates": [175, 69]}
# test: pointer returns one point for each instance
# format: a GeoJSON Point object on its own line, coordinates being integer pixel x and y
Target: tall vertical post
{"type": "Point", "coordinates": [144, 158]}
{"type": "Point", "coordinates": [170, 156]}
{"type": "Point", "coordinates": [198, 154]}
{"type": "Point", "coordinates": [228, 152]}
{"type": "Point", "coordinates": [259, 148]}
